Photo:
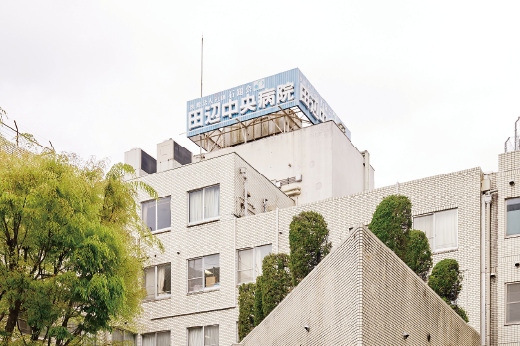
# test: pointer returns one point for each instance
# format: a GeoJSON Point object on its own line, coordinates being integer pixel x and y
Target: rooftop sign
{"type": "Point", "coordinates": [248, 101]}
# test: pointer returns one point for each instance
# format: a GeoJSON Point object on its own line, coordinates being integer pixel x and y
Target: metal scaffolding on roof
{"type": "Point", "coordinates": [241, 132]}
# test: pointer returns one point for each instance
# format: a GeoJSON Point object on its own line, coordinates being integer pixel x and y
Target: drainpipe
{"type": "Point", "coordinates": [235, 259]}
{"type": "Point", "coordinates": [488, 265]}
{"type": "Point", "coordinates": [483, 270]}
{"type": "Point", "coordinates": [485, 266]}
{"type": "Point", "coordinates": [488, 271]}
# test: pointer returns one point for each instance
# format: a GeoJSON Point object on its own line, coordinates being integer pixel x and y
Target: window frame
{"type": "Point", "coordinates": [435, 252]}
{"type": "Point", "coordinates": [209, 325]}
{"type": "Point", "coordinates": [156, 296]}
{"type": "Point", "coordinates": [254, 263]}
{"type": "Point", "coordinates": [506, 236]}
{"type": "Point", "coordinates": [203, 220]}
{"type": "Point", "coordinates": [506, 305]}
{"type": "Point", "coordinates": [204, 288]}
{"type": "Point", "coordinates": [123, 332]}
{"type": "Point", "coordinates": [157, 214]}
{"type": "Point", "coordinates": [155, 336]}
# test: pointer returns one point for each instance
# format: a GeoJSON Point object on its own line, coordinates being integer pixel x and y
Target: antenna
{"type": "Point", "coordinates": [201, 62]}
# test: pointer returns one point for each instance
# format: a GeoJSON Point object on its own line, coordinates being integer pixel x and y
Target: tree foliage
{"type": "Point", "coordinates": [276, 281]}
{"type": "Point", "coordinates": [391, 223]}
{"type": "Point", "coordinates": [246, 308]}
{"type": "Point", "coordinates": [71, 256]}
{"type": "Point", "coordinates": [309, 244]}
{"type": "Point", "coordinates": [418, 255]}
{"type": "Point", "coordinates": [446, 281]}
{"type": "Point", "coordinates": [258, 309]}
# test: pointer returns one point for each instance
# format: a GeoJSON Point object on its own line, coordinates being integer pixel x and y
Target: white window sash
{"type": "Point", "coordinates": [204, 288]}
{"type": "Point", "coordinates": [433, 245]}
{"type": "Point", "coordinates": [203, 219]}
{"type": "Point", "coordinates": [255, 274]}
{"type": "Point", "coordinates": [157, 215]}
{"type": "Point", "coordinates": [155, 338]}
{"type": "Point", "coordinates": [203, 333]}
{"type": "Point", "coordinates": [509, 304]}
{"type": "Point", "coordinates": [156, 295]}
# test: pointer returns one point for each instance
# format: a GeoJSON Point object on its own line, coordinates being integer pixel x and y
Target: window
{"type": "Point", "coordinates": [513, 216]}
{"type": "Point", "coordinates": [204, 273]}
{"type": "Point", "coordinates": [250, 263]}
{"type": "Point", "coordinates": [156, 339]}
{"type": "Point", "coordinates": [513, 303]}
{"type": "Point", "coordinates": [203, 336]}
{"type": "Point", "coordinates": [123, 337]}
{"type": "Point", "coordinates": [157, 281]}
{"type": "Point", "coordinates": [157, 214]}
{"type": "Point", "coordinates": [440, 229]}
{"type": "Point", "coordinates": [204, 204]}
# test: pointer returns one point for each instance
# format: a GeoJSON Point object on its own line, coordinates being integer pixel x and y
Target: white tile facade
{"type": "Point", "coordinates": [456, 190]}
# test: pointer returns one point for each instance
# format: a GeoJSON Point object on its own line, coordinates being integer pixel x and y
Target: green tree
{"type": "Point", "coordinates": [418, 255]}
{"type": "Point", "coordinates": [308, 241]}
{"type": "Point", "coordinates": [246, 308]}
{"type": "Point", "coordinates": [446, 281]}
{"type": "Point", "coordinates": [276, 281]}
{"type": "Point", "coordinates": [258, 308]}
{"type": "Point", "coordinates": [71, 247]}
{"type": "Point", "coordinates": [391, 223]}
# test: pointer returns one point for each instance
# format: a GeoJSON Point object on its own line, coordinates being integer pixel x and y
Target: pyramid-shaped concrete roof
{"type": "Point", "coordinates": [362, 294]}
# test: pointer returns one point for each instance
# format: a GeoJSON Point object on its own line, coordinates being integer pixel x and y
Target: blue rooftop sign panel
{"type": "Point", "coordinates": [261, 97]}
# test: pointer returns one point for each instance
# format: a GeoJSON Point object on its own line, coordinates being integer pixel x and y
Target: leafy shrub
{"type": "Point", "coordinates": [418, 255]}
{"type": "Point", "coordinates": [246, 302]}
{"type": "Point", "coordinates": [460, 311]}
{"type": "Point", "coordinates": [391, 223]}
{"type": "Point", "coordinates": [308, 241]}
{"type": "Point", "coordinates": [446, 279]}
{"type": "Point", "coordinates": [276, 281]}
{"type": "Point", "coordinates": [258, 308]}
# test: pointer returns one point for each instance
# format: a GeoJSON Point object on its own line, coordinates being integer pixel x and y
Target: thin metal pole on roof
{"type": "Point", "coordinates": [201, 63]}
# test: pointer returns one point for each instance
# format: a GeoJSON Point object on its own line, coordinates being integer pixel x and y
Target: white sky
{"type": "Point", "coordinates": [426, 87]}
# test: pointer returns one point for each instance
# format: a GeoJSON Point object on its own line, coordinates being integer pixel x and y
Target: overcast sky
{"type": "Point", "coordinates": [426, 87]}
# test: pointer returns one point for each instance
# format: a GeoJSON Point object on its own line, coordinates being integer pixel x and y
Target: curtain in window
{"type": "Point", "coordinates": [163, 339]}
{"type": "Point", "coordinates": [195, 275]}
{"type": "Point", "coordinates": [164, 213]}
{"type": "Point", "coordinates": [160, 279]}
{"type": "Point", "coordinates": [196, 211]}
{"type": "Point", "coordinates": [195, 337]}
{"type": "Point", "coordinates": [149, 282]}
{"type": "Point", "coordinates": [211, 335]}
{"type": "Point", "coordinates": [149, 215]}
{"type": "Point", "coordinates": [129, 339]}
{"type": "Point", "coordinates": [164, 279]}
{"type": "Point", "coordinates": [513, 303]}
{"type": "Point", "coordinates": [245, 266]}
{"type": "Point", "coordinates": [212, 271]}
{"type": "Point", "coordinates": [117, 336]}
{"type": "Point", "coordinates": [513, 216]}
{"type": "Point", "coordinates": [446, 229]}
{"type": "Point", "coordinates": [425, 224]}
{"type": "Point", "coordinates": [260, 253]}
{"type": "Point", "coordinates": [211, 202]}
{"type": "Point", "coordinates": [149, 339]}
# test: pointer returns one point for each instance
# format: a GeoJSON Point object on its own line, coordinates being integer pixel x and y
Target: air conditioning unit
{"type": "Point", "coordinates": [171, 155]}
{"type": "Point", "coordinates": [142, 163]}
